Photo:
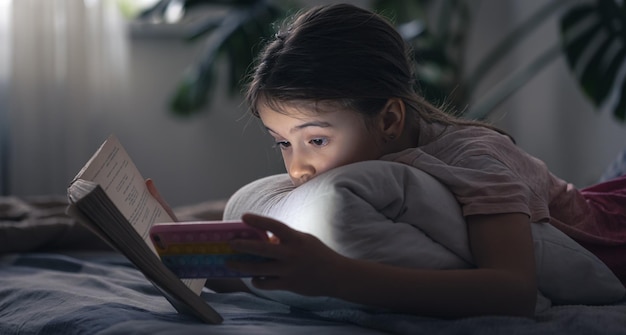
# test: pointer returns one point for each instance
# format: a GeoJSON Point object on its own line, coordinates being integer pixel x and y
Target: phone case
{"type": "Point", "coordinates": [200, 249]}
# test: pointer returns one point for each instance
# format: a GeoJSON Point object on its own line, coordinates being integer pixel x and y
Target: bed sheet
{"type": "Point", "coordinates": [102, 293]}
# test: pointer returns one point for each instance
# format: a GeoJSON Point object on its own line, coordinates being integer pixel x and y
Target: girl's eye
{"type": "Point", "coordinates": [319, 142]}
{"type": "Point", "coordinates": [282, 145]}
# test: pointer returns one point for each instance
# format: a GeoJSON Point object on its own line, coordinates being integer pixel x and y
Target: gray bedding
{"type": "Point", "coordinates": [46, 289]}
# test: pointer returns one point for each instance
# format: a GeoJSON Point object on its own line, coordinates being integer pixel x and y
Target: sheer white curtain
{"type": "Point", "coordinates": [5, 23]}
{"type": "Point", "coordinates": [68, 66]}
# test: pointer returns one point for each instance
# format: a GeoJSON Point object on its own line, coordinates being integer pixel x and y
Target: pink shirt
{"type": "Point", "coordinates": [489, 174]}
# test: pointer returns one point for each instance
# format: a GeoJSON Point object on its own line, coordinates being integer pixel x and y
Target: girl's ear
{"type": "Point", "coordinates": [392, 119]}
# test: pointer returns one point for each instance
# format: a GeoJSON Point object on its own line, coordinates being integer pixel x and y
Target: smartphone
{"type": "Point", "coordinates": [200, 249]}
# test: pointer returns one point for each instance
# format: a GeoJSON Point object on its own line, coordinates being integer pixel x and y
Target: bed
{"type": "Point", "coordinates": [57, 278]}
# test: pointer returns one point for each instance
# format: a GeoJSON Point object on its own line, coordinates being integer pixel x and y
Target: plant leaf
{"type": "Point", "coordinates": [192, 91]}
{"type": "Point", "coordinates": [594, 41]}
{"type": "Point", "coordinates": [234, 37]}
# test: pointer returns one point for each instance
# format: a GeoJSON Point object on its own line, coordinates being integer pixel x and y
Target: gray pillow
{"type": "Point", "coordinates": [397, 214]}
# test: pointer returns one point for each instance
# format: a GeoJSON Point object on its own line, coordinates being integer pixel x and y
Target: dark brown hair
{"type": "Point", "coordinates": [341, 53]}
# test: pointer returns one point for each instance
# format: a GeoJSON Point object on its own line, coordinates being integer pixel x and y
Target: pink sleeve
{"type": "Point", "coordinates": [481, 183]}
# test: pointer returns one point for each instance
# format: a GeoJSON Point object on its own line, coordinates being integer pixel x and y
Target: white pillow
{"type": "Point", "coordinates": [397, 214]}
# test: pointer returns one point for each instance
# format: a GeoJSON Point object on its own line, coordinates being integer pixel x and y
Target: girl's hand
{"type": "Point", "coordinates": [155, 193]}
{"type": "Point", "coordinates": [300, 263]}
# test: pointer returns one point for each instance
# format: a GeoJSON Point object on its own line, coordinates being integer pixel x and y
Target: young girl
{"type": "Point", "coordinates": [336, 87]}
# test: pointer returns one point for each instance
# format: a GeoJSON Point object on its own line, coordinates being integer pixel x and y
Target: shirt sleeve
{"type": "Point", "coordinates": [481, 183]}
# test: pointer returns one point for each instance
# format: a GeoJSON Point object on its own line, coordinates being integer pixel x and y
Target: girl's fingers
{"type": "Point", "coordinates": [155, 194]}
{"type": "Point", "coordinates": [264, 249]}
{"type": "Point", "coordinates": [279, 229]}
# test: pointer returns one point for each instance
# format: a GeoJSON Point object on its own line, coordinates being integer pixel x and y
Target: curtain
{"type": "Point", "coordinates": [64, 64]}
{"type": "Point", "coordinates": [5, 9]}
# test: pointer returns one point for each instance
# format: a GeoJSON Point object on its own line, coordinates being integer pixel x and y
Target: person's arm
{"type": "Point", "coordinates": [503, 283]}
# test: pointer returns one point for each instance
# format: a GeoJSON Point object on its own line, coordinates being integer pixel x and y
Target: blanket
{"type": "Point", "coordinates": [40, 223]}
{"type": "Point", "coordinates": [100, 293]}
{"type": "Point", "coordinates": [396, 214]}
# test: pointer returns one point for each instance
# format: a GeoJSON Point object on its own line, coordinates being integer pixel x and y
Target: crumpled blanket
{"type": "Point", "coordinates": [102, 293]}
{"type": "Point", "coordinates": [40, 223]}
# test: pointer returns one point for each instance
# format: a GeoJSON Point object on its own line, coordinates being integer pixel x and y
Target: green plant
{"type": "Point", "coordinates": [237, 35]}
{"type": "Point", "coordinates": [593, 42]}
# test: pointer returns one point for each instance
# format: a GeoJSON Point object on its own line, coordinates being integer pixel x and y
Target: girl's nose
{"type": "Point", "coordinates": [300, 171]}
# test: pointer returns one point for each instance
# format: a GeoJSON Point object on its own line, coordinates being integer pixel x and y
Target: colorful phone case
{"type": "Point", "coordinates": [200, 249]}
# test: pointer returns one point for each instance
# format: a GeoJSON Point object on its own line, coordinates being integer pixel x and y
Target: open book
{"type": "Point", "coordinates": [110, 196]}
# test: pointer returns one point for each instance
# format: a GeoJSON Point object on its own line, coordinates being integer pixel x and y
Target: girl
{"type": "Point", "coordinates": [336, 87]}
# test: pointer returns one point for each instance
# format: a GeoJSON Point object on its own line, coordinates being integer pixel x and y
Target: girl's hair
{"type": "Point", "coordinates": [341, 53]}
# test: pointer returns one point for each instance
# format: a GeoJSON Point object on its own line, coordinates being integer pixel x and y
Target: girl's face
{"type": "Point", "coordinates": [313, 142]}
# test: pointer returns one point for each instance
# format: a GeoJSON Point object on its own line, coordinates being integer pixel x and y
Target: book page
{"type": "Point", "coordinates": [112, 168]}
